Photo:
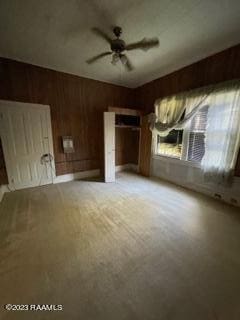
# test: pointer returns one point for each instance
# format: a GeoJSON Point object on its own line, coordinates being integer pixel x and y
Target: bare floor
{"type": "Point", "coordinates": [137, 249]}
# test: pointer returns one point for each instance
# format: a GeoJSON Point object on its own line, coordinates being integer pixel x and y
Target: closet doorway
{"type": "Point", "coordinates": [122, 136]}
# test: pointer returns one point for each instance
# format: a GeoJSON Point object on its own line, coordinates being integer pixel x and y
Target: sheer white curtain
{"type": "Point", "coordinates": [169, 111]}
{"type": "Point", "coordinates": [222, 139]}
{"type": "Point", "coordinates": [194, 101]}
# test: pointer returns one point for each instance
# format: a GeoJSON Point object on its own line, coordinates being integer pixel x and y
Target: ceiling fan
{"type": "Point", "coordinates": [118, 47]}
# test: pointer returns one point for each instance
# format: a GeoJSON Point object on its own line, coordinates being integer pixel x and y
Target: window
{"type": "Point", "coordinates": [196, 142]}
{"type": "Point", "coordinates": [187, 144]}
{"type": "Point", "coordinates": [171, 145]}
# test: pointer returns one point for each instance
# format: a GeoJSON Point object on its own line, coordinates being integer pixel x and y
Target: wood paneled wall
{"type": "Point", "coordinates": [3, 173]}
{"type": "Point", "coordinates": [145, 148]}
{"type": "Point", "coordinates": [77, 105]}
{"type": "Point", "coordinates": [220, 67]}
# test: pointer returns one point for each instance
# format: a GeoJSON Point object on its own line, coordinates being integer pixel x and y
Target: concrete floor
{"type": "Point", "coordinates": [135, 249]}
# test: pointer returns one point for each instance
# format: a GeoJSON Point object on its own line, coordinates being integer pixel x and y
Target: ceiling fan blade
{"type": "Point", "coordinates": [144, 44]}
{"type": "Point", "coordinates": [126, 62]}
{"type": "Point", "coordinates": [102, 34]}
{"type": "Point", "coordinates": [99, 56]}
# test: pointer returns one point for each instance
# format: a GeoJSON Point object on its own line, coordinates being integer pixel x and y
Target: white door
{"type": "Point", "coordinates": [27, 144]}
{"type": "Point", "coordinates": [109, 146]}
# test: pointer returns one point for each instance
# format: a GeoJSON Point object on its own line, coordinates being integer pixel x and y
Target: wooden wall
{"type": "Point", "coordinates": [145, 148]}
{"type": "Point", "coordinates": [3, 172]}
{"type": "Point", "coordinates": [220, 67]}
{"type": "Point", "coordinates": [77, 105]}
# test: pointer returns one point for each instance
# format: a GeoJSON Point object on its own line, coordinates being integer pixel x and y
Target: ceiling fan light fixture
{"type": "Point", "coordinates": [119, 47]}
{"type": "Point", "coordinates": [123, 59]}
{"type": "Point", "coordinates": [115, 58]}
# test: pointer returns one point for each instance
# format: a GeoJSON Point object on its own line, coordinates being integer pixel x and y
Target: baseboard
{"type": "Point", "coordinates": [224, 196]}
{"type": "Point", "coordinates": [77, 176]}
{"type": "Point", "coordinates": [3, 189]}
{"type": "Point", "coordinates": [92, 173]}
{"type": "Point", "coordinates": [127, 166]}
{"type": "Point", "coordinates": [134, 167]}
{"type": "Point", "coordinates": [122, 167]}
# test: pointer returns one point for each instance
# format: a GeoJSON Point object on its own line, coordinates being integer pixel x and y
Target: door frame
{"type": "Point", "coordinates": [145, 149]}
{"type": "Point", "coordinates": [106, 150]}
{"type": "Point", "coordinates": [5, 143]}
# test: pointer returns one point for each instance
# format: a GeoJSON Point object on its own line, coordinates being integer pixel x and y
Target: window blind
{"type": "Point", "coordinates": [196, 144]}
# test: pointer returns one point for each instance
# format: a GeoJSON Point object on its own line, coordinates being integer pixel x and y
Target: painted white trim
{"type": "Point", "coordinates": [3, 189]}
{"type": "Point", "coordinates": [122, 167]}
{"type": "Point", "coordinates": [176, 161]}
{"type": "Point", "coordinates": [77, 176]}
{"type": "Point", "coordinates": [134, 167]}
{"type": "Point", "coordinates": [109, 146]}
{"type": "Point", "coordinates": [127, 166]}
{"type": "Point", "coordinates": [60, 179]}
{"type": "Point", "coordinates": [50, 142]}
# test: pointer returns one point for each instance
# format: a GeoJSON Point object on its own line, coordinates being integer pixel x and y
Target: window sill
{"type": "Point", "coordinates": [176, 161]}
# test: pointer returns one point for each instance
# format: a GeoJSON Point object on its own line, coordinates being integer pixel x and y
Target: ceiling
{"type": "Point", "coordinates": [57, 34]}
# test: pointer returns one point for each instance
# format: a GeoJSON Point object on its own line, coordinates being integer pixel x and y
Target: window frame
{"type": "Point", "coordinates": [155, 138]}
{"type": "Point", "coordinates": [185, 144]}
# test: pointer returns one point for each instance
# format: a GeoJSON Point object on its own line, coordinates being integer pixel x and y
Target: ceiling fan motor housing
{"type": "Point", "coordinates": [118, 45]}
